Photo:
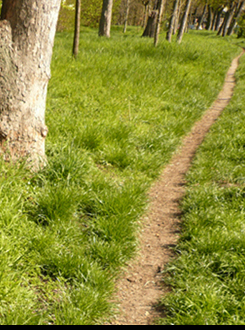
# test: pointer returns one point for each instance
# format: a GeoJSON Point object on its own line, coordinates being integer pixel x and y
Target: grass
{"type": "Point", "coordinates": [115, 116]}
{"type": "Point", "coordinates": [208, 275]}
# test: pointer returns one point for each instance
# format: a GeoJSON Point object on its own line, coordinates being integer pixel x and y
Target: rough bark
{"type": "Point", "coordinates": [105, 21]}
{"type": "Point", "coordinates": [27, 30]}
{"type": "Point", "coordinates": [172, 20]}
{"type": "Point", "coordinates": [77, 28]}
{"type": "Point", "coordinates": [184, 21]}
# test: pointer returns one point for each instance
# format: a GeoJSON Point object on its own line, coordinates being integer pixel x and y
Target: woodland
{"type": "Point", "coordinates": [96, 98]}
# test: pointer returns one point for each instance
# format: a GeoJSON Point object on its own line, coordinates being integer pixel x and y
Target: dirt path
{"type": "Point", "coordinates": [140, 288]}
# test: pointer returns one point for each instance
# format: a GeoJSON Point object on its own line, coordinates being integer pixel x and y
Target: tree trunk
{"type": "Point", "coordinates": [218, 20]}
{"type": "Point", "coordinates": [27, 31]}
{"type": "Point", "coordinates": [177, 19]}
{"type": "Point", "coordinates": [210, 18]}
{"type": "Point", "coordinates": [236, 18]}
{"type": "Point", "coordinates": [77, 28]}
{"type": "Point", "coordinates": [105, 21]}
{"type": "Point", "coordinates": [172, 20]}
{"type": "Point", "coordinates": [202, 17]}
{"type": "Point", "coordinates": [126, 16]}
{"type": "Point", "coordinates": [184, 21]}
{"type": "Point", "coordinates": [230, 16]}
{"type": "Point", "coordinates": [159, 20]}
{"type": "Point", "coordinates": [214, 20]}
{"type": "Point", "coordinates": [152, 21]}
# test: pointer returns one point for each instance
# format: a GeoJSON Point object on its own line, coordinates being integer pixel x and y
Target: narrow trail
{"type": "Point", "coordinates": [141, 286]}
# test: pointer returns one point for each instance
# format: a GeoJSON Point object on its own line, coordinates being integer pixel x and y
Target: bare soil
{"type": "Point", "coordinates": [141, 286]}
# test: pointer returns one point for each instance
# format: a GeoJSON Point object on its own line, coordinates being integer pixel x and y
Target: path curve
{"type": "Point", "coordinates": [141, 286]}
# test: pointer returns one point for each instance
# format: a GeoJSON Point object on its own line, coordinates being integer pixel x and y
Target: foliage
{"type": "Point", "coordinates": [115, 117]}
{"type": "Point", "coordinates": [208, 275]}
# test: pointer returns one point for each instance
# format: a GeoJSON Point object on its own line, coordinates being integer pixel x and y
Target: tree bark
{"type": "Point", "coordinates": [105, 21]}
{"type": "Point", "coordinates": [77, 28]}
{"type": "Point", "coordinates": [126, 16]}
{"type": "Point", "coordinates": [159, 20]}
{"type": "Point", "coordinates": [172, 20]}
{"type": "Point", "coordinates": [184, 21]}
{"type": "Point", "coordinates": [27, 31]}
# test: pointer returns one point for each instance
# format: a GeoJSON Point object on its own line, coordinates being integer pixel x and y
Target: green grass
{"type": "Point", "coordinates": [115, 117]}
{"type": "Point", "coordinates": [208, 275]}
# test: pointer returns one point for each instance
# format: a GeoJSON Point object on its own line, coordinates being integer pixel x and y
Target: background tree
{"type": "Point", "coordinates": [173, 20]}
{"type": "Point", "coordinates": [106, 17]}
{"type": "Point", "coordinates": [159, 19]}
{"type": "Point", "coordinates": [77, 28]}
{"type": "Point", "coordinates": [236, 17]}
{"type": "Point", "coordinates": [27, 31]}
{"type": "Point", "coordinates": [184, 21]}
{"type": "Point", "coordinates": [126, 16]}
{"type": "Point", "coordinates": [152, 20]}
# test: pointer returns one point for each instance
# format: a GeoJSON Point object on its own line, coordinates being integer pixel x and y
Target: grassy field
{"type": "Point", "coordinates": [208, 276]}
{"type": "Point", "coordinates": [115, 117]}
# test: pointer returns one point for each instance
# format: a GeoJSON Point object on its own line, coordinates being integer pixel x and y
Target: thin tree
{"type": "Point", "coordinates": [77, 28]}
{"type": "Point", "coordinates": [27, 31]}
{"type": "Point", "coordinates": [159, 20]}
{"type": "Point", "coordinates": [172, 20]}
{"type": "Point", "coordinates": [126, 16]}
{"type": "Point", "coordinates": [106, 17]}
{"type": "Point", "coordinates": [184, 21]}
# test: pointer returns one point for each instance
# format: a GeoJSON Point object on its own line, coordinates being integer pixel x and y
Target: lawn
{"type": "Point", "coordinates": [115, 117]}
{"type": "Point", "coordinates": [208, 275]}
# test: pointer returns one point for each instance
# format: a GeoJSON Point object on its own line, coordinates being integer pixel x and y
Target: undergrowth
{"type": "Point", "coordinates": [208, 274]}
{"type": "Point", "coordinates": [115, 117]}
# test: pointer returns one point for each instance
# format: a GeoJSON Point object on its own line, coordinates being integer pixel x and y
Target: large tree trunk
{"type": "Point", "coordinates": [105, 21]}
{"type": "Point", "coordinates": [77, 28]}
{"type": "Point", "coordinates": [184, 21]}
{"type": "Point", "coordinates": [27, 31]}
{"type": "Point", "coordinates": [172, 20]}
{"type": "Point", "coordinates": [159, 20]}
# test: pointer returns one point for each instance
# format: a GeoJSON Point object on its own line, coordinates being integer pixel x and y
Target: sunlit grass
{"type": "Point", "coordinates": [208, 276]}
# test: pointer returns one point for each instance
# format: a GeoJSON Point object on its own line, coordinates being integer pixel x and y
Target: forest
{"type": "Point", "coordinates": [99, 104]}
